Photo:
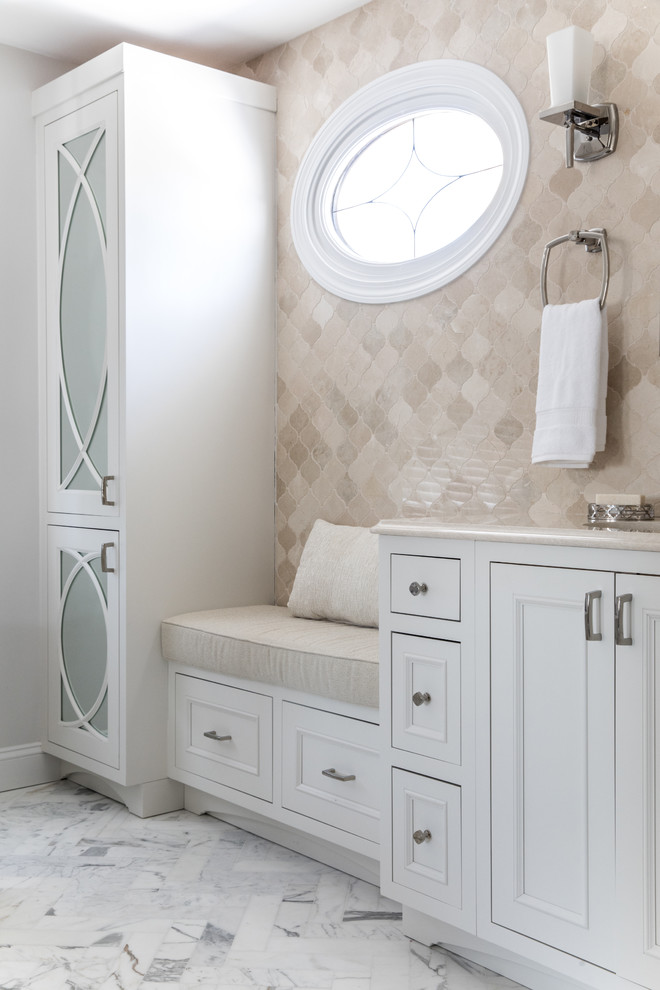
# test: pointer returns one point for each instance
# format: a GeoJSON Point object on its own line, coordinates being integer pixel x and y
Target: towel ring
{"type": "Point", "coordinates": [595, 241]}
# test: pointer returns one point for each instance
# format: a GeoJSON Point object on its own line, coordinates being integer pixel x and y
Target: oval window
{"type": "Point", "coordinates": [410, 181]}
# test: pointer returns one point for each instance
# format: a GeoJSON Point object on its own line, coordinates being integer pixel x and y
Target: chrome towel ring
{"type": "Point", "coordinates": [595, 242]}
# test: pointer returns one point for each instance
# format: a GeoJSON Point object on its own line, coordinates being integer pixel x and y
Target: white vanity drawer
{"type": "Point", "coordinates": [318, 750]}
{"type": "Point", "coordinates": [426, 836]}
{"type": "Point", "coordinates": [225, 735]}
{"type": "Point", "coordinates": [426, 697]}
{"type": "Point", "coordinates": [428, 586]}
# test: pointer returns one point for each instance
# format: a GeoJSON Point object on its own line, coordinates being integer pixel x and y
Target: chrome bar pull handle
{"type": "Point", "coordinates": [589, 599]}
{"type": "Point", "coordinates": [104, 558]}
{"type": "Point", "coordinates": [214, 735]}
{"type": "Point", "coordinates": [418, 589]}
{"type": "Point", "coordinates": [620, 637]}
{"type": "Point", "coordinates": [421, 836]}
{"type": "Point", "coordinates": [421, 699]}
{"type": "Point", "coordinates": [335, 775]}
{"type": "Point", "coordinates": [104, 489]}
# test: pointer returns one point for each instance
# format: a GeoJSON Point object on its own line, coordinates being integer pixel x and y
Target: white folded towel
{"type": "Point", "coordinates": [570, 399]}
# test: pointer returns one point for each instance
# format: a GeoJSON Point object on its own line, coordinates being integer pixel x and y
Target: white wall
{"type": "Point", "coordinates": [21, 674]}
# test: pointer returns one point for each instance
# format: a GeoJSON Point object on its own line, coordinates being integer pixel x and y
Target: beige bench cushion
{"type": "Point", "coordinates": [266, 643]}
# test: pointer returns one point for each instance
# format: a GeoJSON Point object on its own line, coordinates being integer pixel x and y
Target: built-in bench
{"type": "Point", "coordinates": [274, 716]}
{"type": "Point", "coordinates": [267, 643]}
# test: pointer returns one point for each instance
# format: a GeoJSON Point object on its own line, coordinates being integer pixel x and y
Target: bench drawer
{"type": "Point", "coordinates": [426, 697]}
{"type": "Point", "coordinates": [427, 586]}
{"type": "Point", "coordinates": [319, 749]}
{"type": "Point", "coordinates": [426, 836]}
{"type": "Point", "coordinates": [224, 734]}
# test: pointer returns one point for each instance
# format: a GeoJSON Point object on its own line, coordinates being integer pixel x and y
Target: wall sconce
{"type": "Point", "coordinates": [591, 131]}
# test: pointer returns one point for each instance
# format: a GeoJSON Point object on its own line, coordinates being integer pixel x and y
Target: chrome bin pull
{"type": "Point", "coordinates": [620, 637]}
{"type": "Point", "coordinates": [335, 775]}
{"type": "Point", "coordinates": [589, 634]}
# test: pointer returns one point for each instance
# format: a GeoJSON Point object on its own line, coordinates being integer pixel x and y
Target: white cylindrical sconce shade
{"type": "Point", "coordinates": [570, 54]}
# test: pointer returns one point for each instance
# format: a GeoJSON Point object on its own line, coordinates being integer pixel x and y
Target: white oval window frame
{"type": "Point", "coordinates": [432, 85]}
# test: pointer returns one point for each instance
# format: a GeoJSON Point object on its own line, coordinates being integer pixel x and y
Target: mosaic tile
{"type": "Point", "coordinates": [374, 401]}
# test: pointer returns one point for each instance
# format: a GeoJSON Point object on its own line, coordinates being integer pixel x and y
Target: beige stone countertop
{"type": "Point", "coordinates": [620, 536]}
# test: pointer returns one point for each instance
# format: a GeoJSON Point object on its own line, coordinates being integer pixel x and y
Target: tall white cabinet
{"type": "Point", "coordinates": [157, 265]}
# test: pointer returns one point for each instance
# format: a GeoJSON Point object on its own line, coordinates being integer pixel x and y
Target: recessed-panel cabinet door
{"type": "Point", "coordinates": [552, 712]}
{"type": "Point", "coordinates": [638, 777]}
{"type": "Point", "coordinates": [81, 265]}
{"type": "Point", "coordinates": [83, 642]}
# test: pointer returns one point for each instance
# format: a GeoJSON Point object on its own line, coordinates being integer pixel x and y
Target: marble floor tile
{"type": "Point", "coordinates": [92, 898]}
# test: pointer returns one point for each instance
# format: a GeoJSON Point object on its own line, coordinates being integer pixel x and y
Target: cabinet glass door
{"type": "Point", "coordinates": [82, 309]}
{"type": "Point", "coordinates": [83, 649]}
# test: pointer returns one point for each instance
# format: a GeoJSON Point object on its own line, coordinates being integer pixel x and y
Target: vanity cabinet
{"type": "Point", "coordinates": [559, 745]}
{"type": "Point", "coordinates": [427, 713]}
{"type": "Point", "coordinates": [156, 207]}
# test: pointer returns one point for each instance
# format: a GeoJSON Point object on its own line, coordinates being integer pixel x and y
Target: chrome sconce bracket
{"type": "Point", "coordinates": [592, 132]}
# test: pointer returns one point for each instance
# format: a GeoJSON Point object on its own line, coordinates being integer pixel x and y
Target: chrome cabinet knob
{"type": "Point", "coordinates": [420, 836]}
{"type": "Point", "coordinates": [418, 589]}
{"type": "Point", "coordinates": [421, 699]}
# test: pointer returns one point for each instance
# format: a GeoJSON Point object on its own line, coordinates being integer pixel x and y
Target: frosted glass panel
{"type": "Point", "coordinates": [84, 642]}
{"type": "Point", "coordinates": [96, 177]}
{"type": "Point", "coordinates": [66, 186]}
{"type": "Point", "coordinates": [80, 147]}
{"type": "Point", "coordinates": [83, 313]}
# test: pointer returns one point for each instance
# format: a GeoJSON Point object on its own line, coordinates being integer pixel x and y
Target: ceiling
{"type": "Point", "coordinates": [220, 33]}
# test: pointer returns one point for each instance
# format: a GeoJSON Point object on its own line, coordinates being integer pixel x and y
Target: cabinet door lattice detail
{"type": "Point", "coordinates": [82, 306]}
{"type": "Point", "coordinates": [83, 646]}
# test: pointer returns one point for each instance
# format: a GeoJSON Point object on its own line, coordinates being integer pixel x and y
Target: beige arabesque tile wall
{"type": "Point", "coordinates": [427, 407]}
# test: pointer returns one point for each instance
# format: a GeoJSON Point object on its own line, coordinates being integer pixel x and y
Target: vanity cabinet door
{"type": "Point", "coordinates": [552, 711]}
{"type": "Point", "coordinates": [638, 778]}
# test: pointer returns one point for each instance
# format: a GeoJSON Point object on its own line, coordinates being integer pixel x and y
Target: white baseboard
{"type": "Point", "coordinates": [25, 766]}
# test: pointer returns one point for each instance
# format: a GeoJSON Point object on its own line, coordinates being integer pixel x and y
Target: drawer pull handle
{"type": "Point", "coordinates": [421, 699]}
{"type": "Point", "coordinates": [418, 589]}
{"type": "Point", "coordinates": [214, 735]}
{"type": "Point", "coordinates": [589, 599]}
{"type": "Point", "coordinates": [104, 489]}
{"type": "Point", "coordinates": [621, 638]}
{"type": "Point", "coordinates": [104, 558]}
{"type": "Point", "coordinates": [420, 836]}
{"type": "Point", "coordinates": [337, 776]}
